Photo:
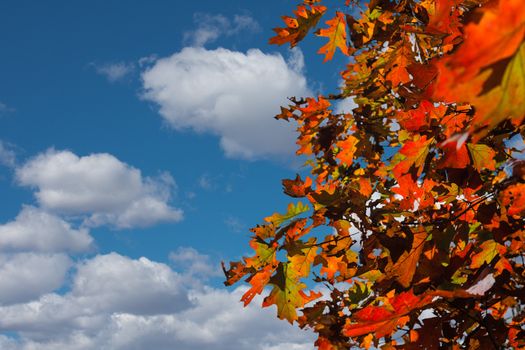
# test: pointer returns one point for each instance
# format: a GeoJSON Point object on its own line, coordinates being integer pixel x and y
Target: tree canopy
{"type": "Point", "coordinates": [409, 231]}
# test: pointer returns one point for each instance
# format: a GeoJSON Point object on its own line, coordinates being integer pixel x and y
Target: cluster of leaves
{"type": "Point", "coordinates": [413, 226]}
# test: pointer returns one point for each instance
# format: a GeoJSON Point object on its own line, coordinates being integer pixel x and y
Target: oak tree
{"type": "Point", "coordinates": [409, 232]}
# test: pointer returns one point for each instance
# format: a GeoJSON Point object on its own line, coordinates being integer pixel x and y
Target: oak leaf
{"type": "Point", "coordinates": [297, 28]}
{"type": "Point", "coordinates": [513, 197]}
{"type": "Point", "coordinates": [293, 211]}
{"type": "Point", "coordinates": [455, 155]}
{"type": "Point", "coordinates": [415, 153]}
{"type": "Point", "coordinates": [258, 282]}
{"type": "Point", "coordinates": [382, 320]}
{"type": "Point", "coordinates": [471, 74]}
{"type": "Point", "coordinates": [287, 293]}
{"type": "Point", "coordinates": [297, 187]}
{"type": "Point", "coordinates": [347, 149]}
{"type": "Point", "coordinates": [482, 156]}
{"type": "Point", "coordinates": [336, 34]}
{"type": "Point", "coordinates": [489, 250]}
{"type": "Point", "coordinates": [404, 268]}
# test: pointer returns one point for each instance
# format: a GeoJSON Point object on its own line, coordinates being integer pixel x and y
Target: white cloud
{"type": "Point", "coordinates": [230, 94]}
{"type": "Point", "coordinates": [36, 230]}
{"type": "Point", "coordinates": [111, 301]}
{"type": "Point", "coordinates": [296, 59]}
{"type": "Point", "coordinates": [114, 283]}
{"type": "Point", "coordinates": [115, 71]}
{"type": "Point", "coordinates": [26, 276]}
{"type": "Point", "coordinates": [100, 188]}
{"type": "Point", "coordinates": [147, 60]}
{"type": "Point", "coordinates": [211, 27]}
{"type": "Point", "coordinates": [345, 106]}
{"type": "Point", "coordinates": [103, 286]}
{"type": "Point", "coordinates": [119, 303]}
{"type": "Point", "coordinates": [194, 263]}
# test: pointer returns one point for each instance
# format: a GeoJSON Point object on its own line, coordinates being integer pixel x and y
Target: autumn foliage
{"type": "Point", "coordinates": [410, 230]}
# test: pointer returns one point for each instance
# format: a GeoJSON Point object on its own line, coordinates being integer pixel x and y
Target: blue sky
{"type": "Point", "coordinates": [137, 148]}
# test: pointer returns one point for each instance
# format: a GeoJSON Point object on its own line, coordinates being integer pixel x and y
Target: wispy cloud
{"type": "Point", "coordinates": [234, 224]}
{"type": "Point", "coordinates": [7, 155]}
{"type": "Point", "coordinates": [212, 27]}
{"type": "Point", "coordinates": [115, 71]}
{"type": "Point", "coordinates": [205, 182]}
{"type": "Point", "coordinates": [5, 108]}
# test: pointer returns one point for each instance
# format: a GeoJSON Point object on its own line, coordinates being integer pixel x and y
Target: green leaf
{"type": "Point", "coordinates": [293, 210]}
{"type": "Point", "coordinates": [287, 293]}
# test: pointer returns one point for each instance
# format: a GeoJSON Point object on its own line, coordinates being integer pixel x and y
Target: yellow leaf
{"type": "Point", "coordinates": [301, 263]}
{"type": "Point", "coordinates": [489, 250]}
{"type": "Point", "coordinates": [482, 156]}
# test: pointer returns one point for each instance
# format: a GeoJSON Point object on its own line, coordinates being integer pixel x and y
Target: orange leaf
{"type": "Point", "coordinates": [324, 344]}
{"type": "Point", "coordinates": [444, 19]}
{"type": "Point", "coordinates": [513, 197]}
{"type": "Point", "coordinates": [365, 187]}
{"type": "Point", "coordinates": [336, 34]}
{"type": "Point", "coordinates": [258, 282]}
{"type": "Point", "coordinates": [401, 58]}
{"type": "Point", "coordinates": [405, 267]}
{"type": "Point", "coordinates": [382, 320]}
{"type": "Point", "coordinates": [332, 266]}
{"type": "Point", "coordinates": [472, 73]}
{"type": "Point", "coordinates": [415, 153]}
{"type": "Point", "coordinates": [297, 28]}
{"type": "Point", "coordinates": [496, 36]}
{"type": "Point", "coordinates": [454, 156]}
{"type": "Point", "coordinates": [348, 148]}
{"type": "Point", "coordinates": [297, 187]}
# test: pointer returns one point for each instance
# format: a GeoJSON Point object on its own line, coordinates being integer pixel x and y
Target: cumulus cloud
{"type": "Point", "coordinates": [120, 303]}
{"type": "Point", "coordinates": [211, 27]}
{"type": "Point", "coordinates": [38, 231]}
{"type": "Point", "coordinates": [26, 276]}
{"type": "Point", "coordinates": [194, 263]}
{"type": "Point", "coordinates": [231, 94]}
{"type": "Point", "coordinates": [149, 287]}
{"type": "Point", "coordinates": [100, 188]}
{"type": "Point", "coordinates": [115, 71]}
